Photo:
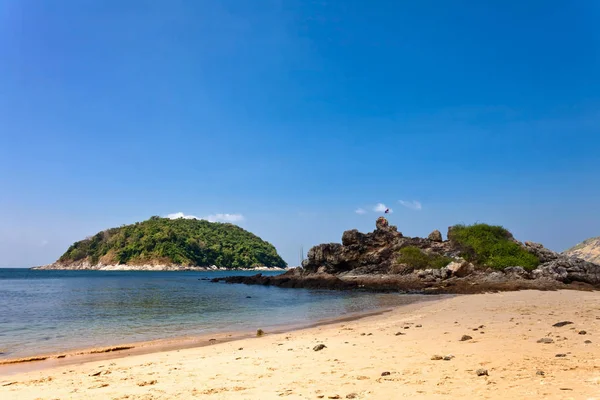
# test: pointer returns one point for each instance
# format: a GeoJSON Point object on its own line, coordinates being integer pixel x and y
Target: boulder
{"type": "Point", "coordinates": [460, 268]}
{"type": "Point", "coordinates": [435, 236]}
{"type": "Point", "coordinates": [382, 223]}
{"type": "Point", "coordinates": [353, 238]}
{"type": "Point", "coordinates": [517, 272]}
{"type": "Point", "coordinates": [541, 252]}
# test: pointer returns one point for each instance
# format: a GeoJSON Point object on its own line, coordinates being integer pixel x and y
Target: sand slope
{"type": "Point", "coordinates": [504, 327]}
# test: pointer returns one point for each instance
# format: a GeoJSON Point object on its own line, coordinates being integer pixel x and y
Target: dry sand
{"type": "Point", "coordinates": [366, 359]}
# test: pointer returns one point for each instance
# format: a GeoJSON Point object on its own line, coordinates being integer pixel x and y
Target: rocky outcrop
{"type": "Point", "coordinates": [370, 261]}
{"type": "Point", "coordinates": [588, 250]}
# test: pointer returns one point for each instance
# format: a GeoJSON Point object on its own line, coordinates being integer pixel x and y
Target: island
{"type": "Point", "coordinates": [473, 259]}
{"type": "Point", "coordinates": [171, 244]}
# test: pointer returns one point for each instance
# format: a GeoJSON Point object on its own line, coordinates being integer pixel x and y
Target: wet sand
{"type": "Point", "coordinates": [386, 356]}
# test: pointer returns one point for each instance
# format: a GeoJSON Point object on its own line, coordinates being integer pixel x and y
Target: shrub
{"type": "Point", "coordinates": [491, 246]}
{"type": "Point", "coordinates": [418, 259]}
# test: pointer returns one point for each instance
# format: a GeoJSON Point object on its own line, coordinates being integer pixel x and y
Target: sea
{"type": "Point", "coordinates": [44, 311]}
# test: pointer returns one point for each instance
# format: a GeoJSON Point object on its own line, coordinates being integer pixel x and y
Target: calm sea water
{"type": "Point", "coordinates": [47, 311]}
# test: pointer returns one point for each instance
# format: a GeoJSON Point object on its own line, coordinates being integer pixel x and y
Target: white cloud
{"type": "Point", "coordinates": [380, 207]}
{"type": "Point", "coordinates": [360, 211]}
{"type": "Point", "coordinates": [210, 218]}
{"type": "Point", "coordinates": [225, 218]}
{"type": "Point", "coordinates": [413, 205]}
{"type": "Point", "coordinates": [181, 215]}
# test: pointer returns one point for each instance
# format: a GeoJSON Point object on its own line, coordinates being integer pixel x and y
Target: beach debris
{"type": "Point", "coordinates": [369, 334]}
{"type": "Point", "coordinates": [407, 327]}
{"type": "Point", "coordinates": [400, 333]}
{"type": "Point", "coordinates": [363, 334]}
{"type": "Point", "coordinates": [448, 357]}
{"type": "Point", "coordinates": [481, 326]}
{"type": "Point", "coordinates": [109, 349]}
{"type": "Point", "coordinates": [482, 372]}
{"type": "Point", "coordinates": [540, 373]}
{"type": "Point", "coordinates": [241, 348]}
{"type": "Point", "coordinates": [546, 340]}
{"type": "Point", "coordinates": [10, 383]}
{"type": "Point", "coordinates": [560, 355]}
{"type": "Point", "coordinates": [260, 332]}
{"type": "Point", "coordinates": [320, 396]}
{"type": "Point", "coordinates": [335, 396]}
{"type": "Point", "coordinates": [147, 383]}
{"type": "Point", "coordinates": [61, 356]}
{"type": "Point", "coordinates": [351, 396]}
{"type": "Point", "coordinates": [386, 373]}
{"type": "Point", "coordinates": [588, 342]}
{"type": "Point", "coordinates": [319, 347]}
{"type": "Point", "coordinates": [561, 324]}
{"type": "Point", "coordinates": [102, 385]}
{"type": "Point", "coordinates": [101, 372]}
{"type": "Point", "coordinates": [464, 338]}
{"type": "Point", "coordinates": [437, 357]}
{"type": "Point", "coordinates": [566, 389]}
{"type": "Point", "coordinates": [418, 326]}
{"type": "Point", "coordinates": [582, 332]}
{"type": "Point", "coordinates": [212, 340]}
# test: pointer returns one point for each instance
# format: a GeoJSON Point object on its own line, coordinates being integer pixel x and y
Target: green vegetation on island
{"type": "Point", "coordinates": [418, 259]}
{"type": "Point", "coordinates": [491, 246]}
{"type": "Point", "coordinates": [186, 242]}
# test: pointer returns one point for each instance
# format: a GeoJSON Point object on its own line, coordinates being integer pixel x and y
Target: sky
{"type": "Point", "coordinates": [297, 120]}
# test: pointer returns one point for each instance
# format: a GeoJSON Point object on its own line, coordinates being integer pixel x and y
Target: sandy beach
{"type": "Point", "coordinates": [509, 337]}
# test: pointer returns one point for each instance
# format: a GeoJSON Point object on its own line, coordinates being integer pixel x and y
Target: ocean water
{"type": "Point", "coordinates": [48, 311]}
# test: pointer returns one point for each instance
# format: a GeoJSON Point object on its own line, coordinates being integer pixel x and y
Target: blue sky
{"type": "Point", "coordinates": [294, 114]}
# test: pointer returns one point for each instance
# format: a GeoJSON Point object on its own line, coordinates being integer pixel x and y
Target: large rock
{"type": "Point", "coordinates": [435, 236]}
{"type": "Point", "coordinates": [368, 252]}
{"type": "Point", "coordinates": [562, 267]}
{"type": "Point", "coordinates": [517, 272]}
{"type": "Point", "coordinates": [541, 252]}
{"type": "Point", "coordinates": [460, 268]}
{"type": "Point", "coordinates": [382, 223]}
{"type": "Point", "coordinates": [569, 269]}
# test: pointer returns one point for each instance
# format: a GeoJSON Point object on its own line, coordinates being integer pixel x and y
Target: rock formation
{"type": "Point", "coordinates": [371, 261]}
{"type": "Point", "coordinates": [588, 250]}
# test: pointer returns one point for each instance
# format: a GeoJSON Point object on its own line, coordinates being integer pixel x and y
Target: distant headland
{"type": "Point", "coordinates": [171, 245]}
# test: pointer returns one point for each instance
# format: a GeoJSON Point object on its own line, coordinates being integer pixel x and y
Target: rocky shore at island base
{"type": "Point", "coordinates": [87, 266]}
{"type": "Point", "coordinates": [369, 261]}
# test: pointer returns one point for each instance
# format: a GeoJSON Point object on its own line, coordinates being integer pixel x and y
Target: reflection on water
{"type": "Point", "coordinates": [47, 311]}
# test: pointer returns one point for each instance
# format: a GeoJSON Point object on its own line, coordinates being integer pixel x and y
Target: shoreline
{"type": "Point", "coordinates": [526, 344]}
{"type": "Point", "coordinates": [37, 362]}
{"type": "Point", "coordinates": [158, 267]}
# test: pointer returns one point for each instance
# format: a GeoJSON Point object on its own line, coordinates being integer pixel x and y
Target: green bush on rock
{"type": "Point", "coordinates": [491, 246]}
{"type": "Point", "coordinates": [415, 258]}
